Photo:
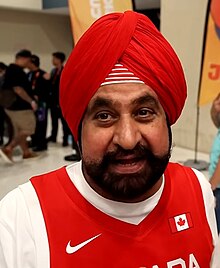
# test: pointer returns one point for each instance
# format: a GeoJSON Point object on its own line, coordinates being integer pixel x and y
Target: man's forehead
{"type": "Point", "coordinates": [124, 93]}
{"type": "Point", "coordinates": [125, 89]}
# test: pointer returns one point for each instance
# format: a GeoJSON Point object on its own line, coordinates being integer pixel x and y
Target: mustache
{"type": "Point", "coordinates": [139, 152]}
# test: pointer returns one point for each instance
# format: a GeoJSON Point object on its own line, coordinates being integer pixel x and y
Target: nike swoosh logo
{"type": "Point", "coordinates": [71, 250]}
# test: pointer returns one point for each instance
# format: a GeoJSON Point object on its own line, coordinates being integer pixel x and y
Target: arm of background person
{"type": "Point", "coordinates": [23, 94]}
{"type": "Point", "coordinates": [47, 76]}
{"type": "Point", "coordinates": [215, 179]}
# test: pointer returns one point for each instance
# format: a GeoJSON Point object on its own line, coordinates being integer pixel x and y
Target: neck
{"type": "Point", "coordinates": [35, 69]}
{"type": "Point", "coordinates": [59, 66]}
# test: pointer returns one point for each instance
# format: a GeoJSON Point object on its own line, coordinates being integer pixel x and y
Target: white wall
{"type": "Point", "coordinates": [42, 33]}
{"type": "Point", "coordinates": [182, 22]}
{"type": "Point", "coordinates": [27, 4]}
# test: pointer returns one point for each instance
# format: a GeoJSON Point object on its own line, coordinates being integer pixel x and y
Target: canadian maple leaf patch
{"type": "Point", "coordinates": [180, 222]}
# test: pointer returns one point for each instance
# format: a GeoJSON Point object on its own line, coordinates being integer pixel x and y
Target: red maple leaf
{"type": "Point", "coordinates": [181, 222]}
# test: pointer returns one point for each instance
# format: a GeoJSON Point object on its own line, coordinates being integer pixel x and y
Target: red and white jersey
{"type": "Point", "coordinates": [178, 232]}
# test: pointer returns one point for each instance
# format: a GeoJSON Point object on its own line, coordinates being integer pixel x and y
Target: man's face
{"type": "Point", "coordinates": [23, 61]}
{"type": "Point", "coordinates": [2, 72]}
{"type": "Point", "coordinates": [30, 65]}
{"type": "Point", "coordinates": [125, 142]}
{"type": "Point", "coordinates": [56, 62]}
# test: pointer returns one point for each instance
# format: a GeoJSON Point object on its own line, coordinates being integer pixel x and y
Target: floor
{"type": "Point", "coordinates": [13, 175]}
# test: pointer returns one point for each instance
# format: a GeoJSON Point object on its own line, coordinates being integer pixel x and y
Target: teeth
{"type": "Point", "coordinates": [130, 164]}
{"type": "Point", "coordinates": [127, 162]}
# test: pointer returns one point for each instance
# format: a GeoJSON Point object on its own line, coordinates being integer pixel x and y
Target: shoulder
{"type": "Point", "coordinates": [192, 179]}
{"type": "Point", "coordinates": [194, 176]}
{"type": "Point", "coordinates": [42, 71]}
{"type": "Point", "coordinates": [14, 203]}
{"type": "Point", "coordinates": [15, 223]}
{"type": "Point", "coordinates": [180, 169]}
{"type": "Point", "coordinates": [14, 72]}
{"type": "Point", "coordinates": [15, 68]}
{"type": "Point", "coordinates": [204, 183]}
{"type": "Point", "coordinates": [53, 70]}
{"type": "Point", "coordinates": [22, 224]}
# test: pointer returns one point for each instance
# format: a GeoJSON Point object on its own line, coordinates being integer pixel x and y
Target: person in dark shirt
{"type": "Point", "coordinates": [3, 68]}
{"type": "Point", "coordinates": [40, 91]}
{"type": "Point", "coordinates": [21, 112]}
{"type": "Point", "coordinates": [58, 59]}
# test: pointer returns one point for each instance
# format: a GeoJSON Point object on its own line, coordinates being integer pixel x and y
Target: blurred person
{"type": "Point", "coordinates": [3, 68]}
{"type": "Point", "coordinates": [124, 204]}
{"type": "Point", "coordinates": [58, 59]}
{"type": "Point", "coordinates": [75, 156]}
{"type": "Point", "coordinates": [214, 166]}
{"type": "Point", "coordinates": [40, 92]}
{"type": "Point", "coordinates": [21, 112]}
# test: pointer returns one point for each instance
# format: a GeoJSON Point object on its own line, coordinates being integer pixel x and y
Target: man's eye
{"type": "Point", "coordinates": [144, 112]}
{"type": "Point", "coordinates": [103, 116]}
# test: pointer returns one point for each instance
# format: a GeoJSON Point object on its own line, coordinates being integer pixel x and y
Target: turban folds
{"type": "Point", "coordinates": [131, 39]}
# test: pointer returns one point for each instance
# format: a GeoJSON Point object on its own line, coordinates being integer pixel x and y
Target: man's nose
{"type": "Point", "coordinates": [127, 133]}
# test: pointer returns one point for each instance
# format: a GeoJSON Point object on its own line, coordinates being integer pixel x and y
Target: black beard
{"type": "Point", "coordinates": [127, 186]}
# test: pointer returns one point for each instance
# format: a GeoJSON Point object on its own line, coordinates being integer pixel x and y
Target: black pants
{"type": "Point", "coordinates": [2, 124]}
{"type": "Point", "coordinates": [39, 137]}
{"type": "Point", "coordinates": [6, 128]}
{"type": "Point", "coordinates": [75, 146]}
{"type": "Point", "coordinates": [56, 114]}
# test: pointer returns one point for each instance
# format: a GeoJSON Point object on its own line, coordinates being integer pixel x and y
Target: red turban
{"type": "Point", "coordinates": [131, 39]}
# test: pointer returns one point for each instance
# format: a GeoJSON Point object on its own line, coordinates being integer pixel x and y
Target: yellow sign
{"type": "Point", "coordinates": [210, 79]}
{"type": "Point", "coordinates": [84, 12]}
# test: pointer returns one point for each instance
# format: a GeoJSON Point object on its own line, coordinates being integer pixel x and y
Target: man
{"type": "Point", "coordinates": [21, 112]}
{"type": "Point", "coordinates": [3, 68]}
{"type": "Point", "coordinates": [40, 91]}
{"type": "Point", "coordinates": [58, 59]}
{"type": "Point", "coordinates": [123, 205]}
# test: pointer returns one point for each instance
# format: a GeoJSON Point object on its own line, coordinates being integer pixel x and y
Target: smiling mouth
{"type": "Point", "coordinates": [132, 165]}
